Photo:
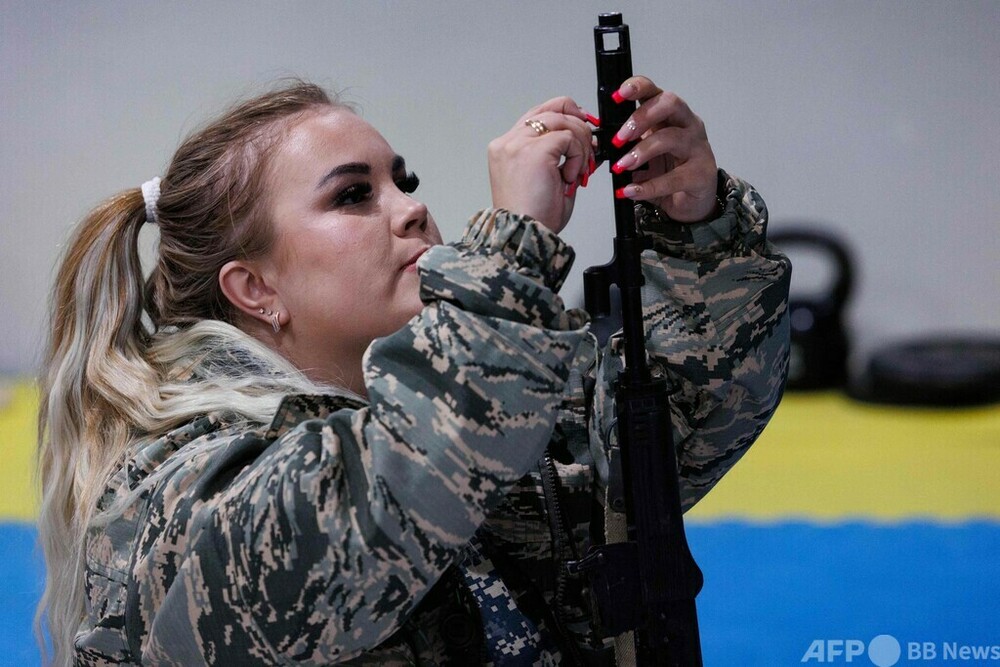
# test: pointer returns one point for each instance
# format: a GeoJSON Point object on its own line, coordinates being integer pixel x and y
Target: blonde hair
{"type": "Point", "coordinates": [129, 358]}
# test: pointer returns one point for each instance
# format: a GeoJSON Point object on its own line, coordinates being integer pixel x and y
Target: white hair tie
{"type": "Point", "coordinates": [150, 195]}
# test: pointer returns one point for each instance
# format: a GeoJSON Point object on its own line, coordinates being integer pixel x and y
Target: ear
{"type": "Point", "coordinates": [246, 287]}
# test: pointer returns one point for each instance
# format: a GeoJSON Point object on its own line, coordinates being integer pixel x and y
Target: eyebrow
{"type": "Point", "coordinates": [363, 168]}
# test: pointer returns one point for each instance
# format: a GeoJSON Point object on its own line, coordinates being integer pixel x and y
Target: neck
{"type": "Point", "coordinates": [321, 362]}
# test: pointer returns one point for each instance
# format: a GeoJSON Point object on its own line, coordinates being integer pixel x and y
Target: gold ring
{"type": "Point", "coordinates": [536, 125]}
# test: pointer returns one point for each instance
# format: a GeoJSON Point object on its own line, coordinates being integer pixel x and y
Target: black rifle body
{"type": "Point", "coordinates": [649, 582]}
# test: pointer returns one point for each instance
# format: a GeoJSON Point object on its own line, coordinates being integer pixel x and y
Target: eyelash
{"type": "Point", "coordinates": [355, 194]}
{"type": "Point", "coordinates": [409, 183]}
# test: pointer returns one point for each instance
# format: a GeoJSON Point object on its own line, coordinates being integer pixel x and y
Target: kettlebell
{"type": "Point", "coordinates": [819, 342]}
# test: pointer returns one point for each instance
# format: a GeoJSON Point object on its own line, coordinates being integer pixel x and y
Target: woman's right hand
{"type": "Point", "coordinates": [536, 166]}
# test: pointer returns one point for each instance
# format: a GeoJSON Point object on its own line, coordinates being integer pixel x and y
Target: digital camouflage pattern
{"type": "Point", "coordinates": [428, 525]}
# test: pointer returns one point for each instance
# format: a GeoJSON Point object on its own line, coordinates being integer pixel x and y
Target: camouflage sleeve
{"type": "Point", "coordinates": [322, 547]}
{"type": "Point", "coordinates": [715, 304]}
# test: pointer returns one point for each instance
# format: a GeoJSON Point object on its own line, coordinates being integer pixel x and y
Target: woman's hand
{"type": "Point", "coordinates": [536, 166]}
{"type": "Point", "coordinates": [681, 174]}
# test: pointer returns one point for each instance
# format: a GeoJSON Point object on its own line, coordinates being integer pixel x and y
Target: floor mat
{"type": "Point", "coordinates": [772, 591]}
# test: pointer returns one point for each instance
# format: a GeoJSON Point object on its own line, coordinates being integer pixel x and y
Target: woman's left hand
{"type": "Point", "coordinates": [536, 165]}
{"type": "Point", "coordinates": [681, 175]}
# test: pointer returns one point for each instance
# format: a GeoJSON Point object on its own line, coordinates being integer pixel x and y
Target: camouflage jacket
{"type": "Point", "coordinates": [429, 524]}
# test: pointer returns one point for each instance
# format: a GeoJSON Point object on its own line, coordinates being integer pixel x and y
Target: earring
{"type": "Point", "coordinates": [275, 324]}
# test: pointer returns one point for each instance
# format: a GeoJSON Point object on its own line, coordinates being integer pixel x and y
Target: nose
{"type": "Point", "coordinates": [410, 217]}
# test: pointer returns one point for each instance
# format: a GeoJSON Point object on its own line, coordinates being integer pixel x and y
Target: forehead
{"type": "Point", "coordinates": [322, 139]}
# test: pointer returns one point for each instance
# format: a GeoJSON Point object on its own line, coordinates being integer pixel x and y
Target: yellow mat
{"type": "Point", "coordinates": [825, 457]}
{"type": "Point", "coordinates": [18, 407]}
{"type": "Point", "coordinates": [822, 458]}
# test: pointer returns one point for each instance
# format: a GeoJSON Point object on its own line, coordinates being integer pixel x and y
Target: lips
{"type": "Point", "coordinates": [411, 264]}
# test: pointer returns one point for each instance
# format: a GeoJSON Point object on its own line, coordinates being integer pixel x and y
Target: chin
{"type": "Point", "coordinates": [416, 310]}
{"type": "Point", "coordinates": [405, 315]}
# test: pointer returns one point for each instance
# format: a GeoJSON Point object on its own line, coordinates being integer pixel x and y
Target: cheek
{"type": "Point", "coordinates": [344, 277]}
{"type": "Point", "coordinates": [333, 251]}
{"type": "Point", "coordinates": [312, 269]}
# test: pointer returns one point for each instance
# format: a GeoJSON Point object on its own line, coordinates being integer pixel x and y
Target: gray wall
{"type": "Point", "coordinates": [877, 120]}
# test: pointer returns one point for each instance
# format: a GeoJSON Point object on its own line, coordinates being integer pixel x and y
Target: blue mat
{"type": "Point", "coordinates": [771, 593]}
{"type": "Point", "coordinates": [22, 580]}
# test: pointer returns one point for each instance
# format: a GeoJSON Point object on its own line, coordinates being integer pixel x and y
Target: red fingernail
{"type": "Point", "coordinates": [617, 168]}
{"type": "Point", "coordinates": [620, 194]}
{"type": "Point", "coordinates": [570, 189]}
{"type": "Point", "coordinates": [586, 177]}
{"type": "Point", "coordinates": [617, 97]}
{"type": "Point", "coordinates": [593, 120]}
{"type": "Point", "coordinates": [617, 142]}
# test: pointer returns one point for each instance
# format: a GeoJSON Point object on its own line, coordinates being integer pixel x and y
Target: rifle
{"type": "Point", "coordinates": [648, 583]}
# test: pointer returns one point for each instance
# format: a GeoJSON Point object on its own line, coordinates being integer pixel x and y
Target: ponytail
{"type": "Point", "coordinates": [97, 389]}
{"type": "Point", "coordinates": [125, 361]}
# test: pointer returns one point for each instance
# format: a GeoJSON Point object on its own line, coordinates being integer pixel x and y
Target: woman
{"type": "Point", "coordinates": [316, 434]}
